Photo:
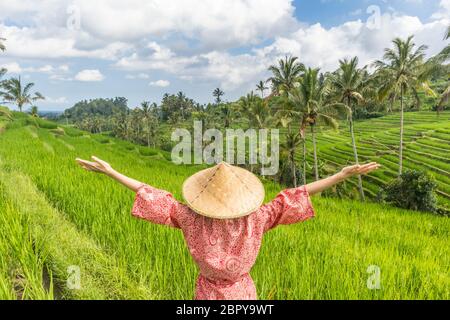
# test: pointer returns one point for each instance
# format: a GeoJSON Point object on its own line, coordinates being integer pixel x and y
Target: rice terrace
{"type": "Point", "coordinates": [68, 233]}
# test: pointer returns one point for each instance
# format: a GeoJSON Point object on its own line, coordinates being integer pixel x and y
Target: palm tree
{"type": "Point", "coordinates": [120, 125]}
{"type": "Point", "coordinates": [149, 120]}
{"type": "Point", "coordinates": [226, 114]}
{"type": "Point", "coordinates": [444, 56]}
{"type": "Point", "coordinates": [290, 145]}
{"type": "Point", "coordinates": [348, 83]}
{"type": "Point", "coordinates": [181, 102]}
{"type": "Point", "coordinates": [2, 46]}
{"type": "Point", "coordinates": [289, 108]}
{"type": "Point", "coordinates": [285, 111]}
{"type": "Point", "coordinates": [2, 72]}
{"type": "Point", "coordinates": [34, 112]}
{"type": "Point", "coordinates": [311, 97]}
{"type": "Point", "coordinates": [136, 121]}
{"type": "Point", "coordinates": [217, 93]}
{"type": "Point", "coordinates": [401, 70]}
{"type": "Point", "coordinates": [285, 75]}
{"type": "Point", "coordinates": [261, 87]}
{"type": "Point", "coordinates": [15, 92]}
{"type": "Point", "coordinates": [4, 112]}
{"type": "Point", "coordinates": [255, 109]}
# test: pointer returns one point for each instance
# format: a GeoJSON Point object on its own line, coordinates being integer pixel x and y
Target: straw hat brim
{"type": "Point", "coordinates": [223, 192]}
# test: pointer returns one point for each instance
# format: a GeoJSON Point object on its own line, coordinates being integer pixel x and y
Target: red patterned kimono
{"type": "Point", "coordinates": [224, 250]}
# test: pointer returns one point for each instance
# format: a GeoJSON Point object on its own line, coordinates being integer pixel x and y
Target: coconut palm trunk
{"type": "Point", "coordinates": [316, 168]}
{"type": "Point", "coordinates": [400, 152]}
{"type": "Point", "coordinates": [355, 153]}
{"type": "Point", "coordinates": [294, 173]}
{"type": "Point", "coordinates": [148, 132]}
{"type": "Point", "coordinates": [304, 161]}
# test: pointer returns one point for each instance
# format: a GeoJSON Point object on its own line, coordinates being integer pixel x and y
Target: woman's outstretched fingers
{"type": "Point", "coordinates": [101, 165]}
{"type": "Point", "coordinates": [369, 168]}
{"type": "Point", "coordinates": [88, 165]}
{"type": "Point", "coordinates": [97, 159]}
{"type": "Point", "coordinates": [81, 162]}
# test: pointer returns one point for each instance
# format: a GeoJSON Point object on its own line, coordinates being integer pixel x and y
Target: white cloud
{"type": "Point", "coordinates": [155, 57]}
{"type": "Point", "coordinates": [14, 67]}
{"type": "Point", "coordinates": [64, 68]}
{"type": "Point", "coordinates": [444, 11]}
{"type": "Point", "coordinates": [56, 43]}
{"type": "Point", "coordinates": [111, 27]}
{"type": "Point", "coordinates": [190, 39]}
{"type": "Point", "coordinates": [230, 71]}
{"type": "Point", "coordinates": [59, 100]}
{"type": "Point", "coordinates": [320, 47]}
{"type": "Point", "coordinates": [315, 45]}
{"type": "Point", "coordinates": [160, 83]}
{"type": "Point", "coordinates": [218, 23]}
{"type": "Point", "coordinates": [137, 76]}
{"type": "Point", "coordinates": [89, 75]}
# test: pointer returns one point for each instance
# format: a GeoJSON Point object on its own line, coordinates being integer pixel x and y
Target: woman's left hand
{"type": "Point", "coordinates": [97, 165]}
{"type": "Point", "coordinates": [358, 169]}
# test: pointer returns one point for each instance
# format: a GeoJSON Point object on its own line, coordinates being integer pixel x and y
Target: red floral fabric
{"type": "Point", "coordinates": [224, 250]}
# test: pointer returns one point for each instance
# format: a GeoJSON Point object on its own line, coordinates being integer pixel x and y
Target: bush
{"type": "Point", "coordinates": [166, 144]}
{"type": "Point", "coordinates": [286, 175]}
{"type": "Point", "coordinates": [414, 190]}
{"type": "Point", "coordinates": [441, 108]}
{"type": "Point", "coordinates": [361, 114]}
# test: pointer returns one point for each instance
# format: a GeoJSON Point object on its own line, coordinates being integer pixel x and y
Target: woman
{"type": "Point", "coordinates": [224, 219]}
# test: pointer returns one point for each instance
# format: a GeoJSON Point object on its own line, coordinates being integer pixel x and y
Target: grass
{"type": "Point", "coordinates": [84, 219]}
{"type": "Point", "coordinates": [22, 266]}
{"type": "Point", "coordinates": [427, 146]}
{"type": "Point", "coordinates": [45, 232]}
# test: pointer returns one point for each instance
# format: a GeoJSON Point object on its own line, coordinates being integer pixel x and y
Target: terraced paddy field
{"type": "Point", "coordinates": [56, 218]}
{"type": "Point", "coordinates": [426, 148]}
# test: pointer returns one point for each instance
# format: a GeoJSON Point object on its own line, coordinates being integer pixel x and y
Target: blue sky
{"type": "Point", "coordinates": [140, 49]}
{"type": "Point", "coordinates": [334, 12]}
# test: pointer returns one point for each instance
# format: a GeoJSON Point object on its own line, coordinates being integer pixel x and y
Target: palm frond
{"type": "Point", "coordinates": [328, 121]}
{"type": "Point", "coordinates": [445, 97]}
{"type": "Point", "coordinates": [38, 96]}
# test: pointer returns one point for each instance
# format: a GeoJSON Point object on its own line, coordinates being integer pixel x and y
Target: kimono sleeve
{"type": "Point", "coordinates": [290, 206]}
{"type": "Point", "coordinates": [157, 206]}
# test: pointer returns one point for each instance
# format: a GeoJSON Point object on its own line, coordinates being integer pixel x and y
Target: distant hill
{"type": "Point", "coordinates": [100, 107]}
{"type": "Point", "coordinates": [50, 114]}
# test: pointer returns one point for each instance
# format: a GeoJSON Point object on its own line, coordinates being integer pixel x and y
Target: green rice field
{"type": "Point", "coordinates": [54, 216]}
{"type": "Point", "coordinates": [426, 148]}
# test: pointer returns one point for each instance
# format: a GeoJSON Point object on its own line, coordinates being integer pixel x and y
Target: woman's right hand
{"type": "Point", "coordinates": [97, 165]}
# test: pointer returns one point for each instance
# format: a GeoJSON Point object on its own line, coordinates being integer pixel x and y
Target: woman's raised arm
{"type": "Point", "coordinates": [100, 166]}
{"type": "Point", "coordinates": [346, 173]}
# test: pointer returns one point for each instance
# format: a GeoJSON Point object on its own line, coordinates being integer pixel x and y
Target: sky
{"type": "Point", "coordinates": [141, 49]}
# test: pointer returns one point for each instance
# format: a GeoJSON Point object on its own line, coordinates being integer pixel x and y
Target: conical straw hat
{"type": "Point", "coordinates": [223, 192]}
